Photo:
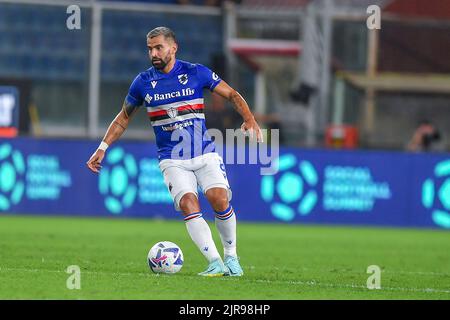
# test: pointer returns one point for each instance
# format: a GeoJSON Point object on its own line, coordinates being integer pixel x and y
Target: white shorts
{"type": "Point", "coordinates": [188, 176]}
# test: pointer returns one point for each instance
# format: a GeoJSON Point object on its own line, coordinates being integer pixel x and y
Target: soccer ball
{"type": "Point", "coordinates": [165, 257]}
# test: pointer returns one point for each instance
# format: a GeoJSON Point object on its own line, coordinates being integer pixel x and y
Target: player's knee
{"type": "Point", "coordinates": [218, 198]}
{"type": "Point", "coordinates": [220, 203]}
{"type": "Point", "coordinates": [189, 204]}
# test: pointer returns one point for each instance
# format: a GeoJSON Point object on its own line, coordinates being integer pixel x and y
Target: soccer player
{"type": "Point", "coordinates": [171, 91]}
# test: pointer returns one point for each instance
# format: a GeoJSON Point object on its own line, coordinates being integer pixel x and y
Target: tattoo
{"type": "Point", "coordinates": [240, 105]}
{"type": "Point", "coordinates": [128, 109]}
{"type": "Point", "coordinates": [117, 123]}
{"type": "Point", "coordinates": [238, 102]}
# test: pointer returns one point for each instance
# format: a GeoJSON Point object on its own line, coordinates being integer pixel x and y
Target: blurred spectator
{"type": "Point", "coordinates": [425, 138]}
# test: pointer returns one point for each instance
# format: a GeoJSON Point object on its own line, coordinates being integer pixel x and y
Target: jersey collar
{"type": "Point", "coordinates": [175, 69]}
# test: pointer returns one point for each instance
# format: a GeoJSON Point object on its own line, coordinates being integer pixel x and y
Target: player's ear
{"type": "Point", "coordinates": [174, 47]}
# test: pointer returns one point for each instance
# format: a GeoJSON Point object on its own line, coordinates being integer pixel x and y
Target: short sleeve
{"type": "Point", "coordinates": [208, 79]}
{"type": "Point", "coordinates": [134, 96]}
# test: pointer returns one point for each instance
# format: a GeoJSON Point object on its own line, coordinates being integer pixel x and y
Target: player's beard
{"type": "Point", "coordinates": [161, 64]}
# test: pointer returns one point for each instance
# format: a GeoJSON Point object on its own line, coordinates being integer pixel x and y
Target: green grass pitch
{"type": "Point", "coordinates": [280, 261]}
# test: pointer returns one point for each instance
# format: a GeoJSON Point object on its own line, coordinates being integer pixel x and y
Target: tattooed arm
{"type": "Point", "coordinates": [114, 132]}
{"type": "Point", "coordinates": [240, 105]}
{"type": "Point", "coordinates": [120, 123]}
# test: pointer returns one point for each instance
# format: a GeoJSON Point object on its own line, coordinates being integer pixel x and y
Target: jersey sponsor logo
{"type": "Point", "coordinates": [174, 94]}
{"type": "Point", "coordinates": [154, 84]}
{"type": "Point", "coordinates": [215, 76]}
{"type": "Point", "coordinates": [179, 125]}
{"type": "Point", "coordinates": [183, 78]}
{"type": "Point", "coordinates": [148, 98]}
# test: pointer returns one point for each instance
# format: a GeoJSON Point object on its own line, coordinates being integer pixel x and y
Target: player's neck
{"type": "Point", "coordinates": [169, 66]}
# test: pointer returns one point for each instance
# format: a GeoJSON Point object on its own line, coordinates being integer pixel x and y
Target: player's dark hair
{"type": "Point", "coordinates": [162, 31]}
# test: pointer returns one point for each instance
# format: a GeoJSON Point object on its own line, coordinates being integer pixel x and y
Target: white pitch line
{"type": "Point", "coordinates": [426, 273]}
{"type": "Point", "coordinates": [313, 283]}
{"type": "Point", "coordinates": [82, 271]}
{"type": "Point", "coordinates": [302, 283]}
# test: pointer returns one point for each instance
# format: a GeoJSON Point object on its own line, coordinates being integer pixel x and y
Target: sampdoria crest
{"type": "Point", "coordinates": [172, 112]}
{"type": "Point", "coordinates": [183, 78]}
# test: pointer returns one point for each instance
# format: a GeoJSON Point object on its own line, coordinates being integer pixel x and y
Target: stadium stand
{"type": "Point", "coordinates": [38, 46]}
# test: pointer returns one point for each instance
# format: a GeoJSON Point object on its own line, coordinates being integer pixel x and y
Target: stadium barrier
{"type": "Point", "coordinates": [49, 177]}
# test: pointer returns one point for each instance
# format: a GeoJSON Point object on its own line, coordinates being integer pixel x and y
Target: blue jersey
{"type": "Point", "coordinates": [174, 103]}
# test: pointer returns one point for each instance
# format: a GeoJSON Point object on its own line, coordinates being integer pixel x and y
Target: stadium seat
{"type": "Point", "coordinates": [57, 53]}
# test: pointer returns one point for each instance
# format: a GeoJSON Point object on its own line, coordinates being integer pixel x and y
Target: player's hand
{"type": "Point", "coordinates": [94, 162]}
{"type": "Point", "coordinates": [252, 128]}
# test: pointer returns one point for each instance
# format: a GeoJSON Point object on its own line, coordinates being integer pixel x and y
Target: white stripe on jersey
{"type": "Point", "coordinates": [178, 118]}
{"type": "Point", "coordinates": [175, 104]}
